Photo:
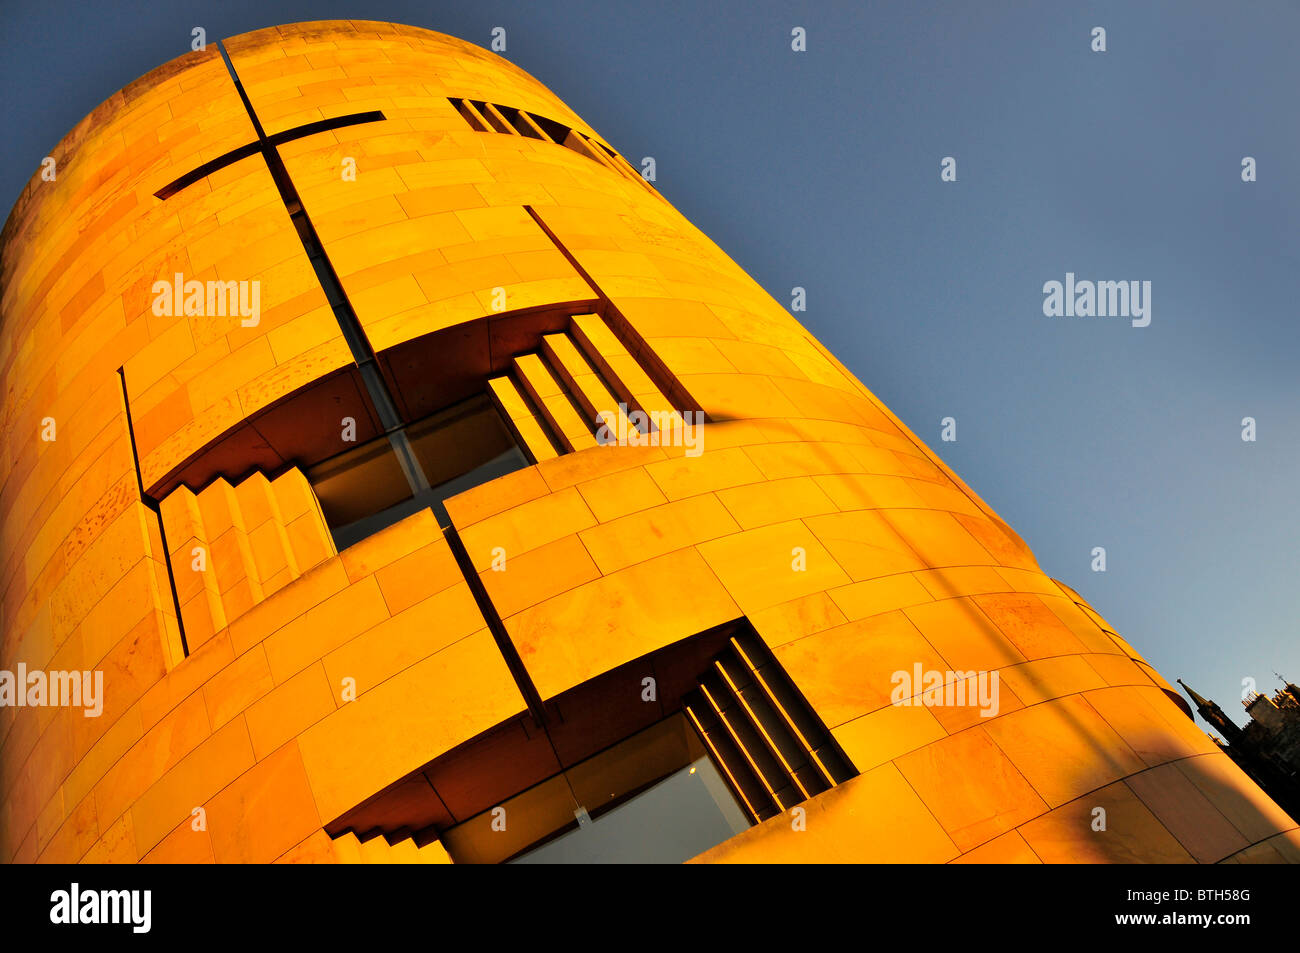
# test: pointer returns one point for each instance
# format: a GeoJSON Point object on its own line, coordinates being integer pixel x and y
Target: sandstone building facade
{"type": "Point", "coordinates": [305, 362]}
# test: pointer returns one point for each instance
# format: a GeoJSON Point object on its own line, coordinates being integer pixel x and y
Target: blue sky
{"type": "Point", "coordinates": [821, 169]}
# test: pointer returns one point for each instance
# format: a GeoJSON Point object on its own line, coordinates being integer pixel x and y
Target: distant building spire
{"type": "Point", "coordinates": [1213, 714]}
{"type": "Point", "coordinates": [1200, 702]}
{"type": "Point", "coordinates": [1268, 748]}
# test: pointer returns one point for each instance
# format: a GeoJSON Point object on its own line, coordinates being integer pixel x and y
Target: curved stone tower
{"type": "Point", "coordinates": [350, 429]}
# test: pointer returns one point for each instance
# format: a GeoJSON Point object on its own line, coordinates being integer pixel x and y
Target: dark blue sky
{"type": "Point", "coordinates": [821, 169]}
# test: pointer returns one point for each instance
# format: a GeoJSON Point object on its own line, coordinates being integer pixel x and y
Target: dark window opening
{"type": "Point", "coordinates": [523, 123]}
{"type": "Point", "coordinates": [772, 747]}
{"type": "Point", "coordinates": [693, 810]}
{"type": "Point", "coordinates": [616, 776]}
{"type": "Point", "coordinates": [599, 810]}
{"type": "Point", "coordinates": [366, 489]}
{"type": "Point", "coordinates": [555, 130]}
{"type": "Point", "coordinates": [470, 115]}
{"type": "Point", "coordinates": [493, 116]}
{"type": "Point", "coordinates": [461, 441]}
{"type": "Point", "coordinates": [483, 116]}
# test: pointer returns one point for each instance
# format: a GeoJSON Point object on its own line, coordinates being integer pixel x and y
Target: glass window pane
{"type": "Point", "coordinates": [654, 797]}
{"type": "Point", "coordinates": [461, 447]}
{"type": "Point", "coordinates": [457, 440]}
{"type": "Point", "coordinates": [364, 490]}
{"type": "Point", "coordinates": [359, 483]}
{"type": "Point", "coordinates": [680, 817]}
